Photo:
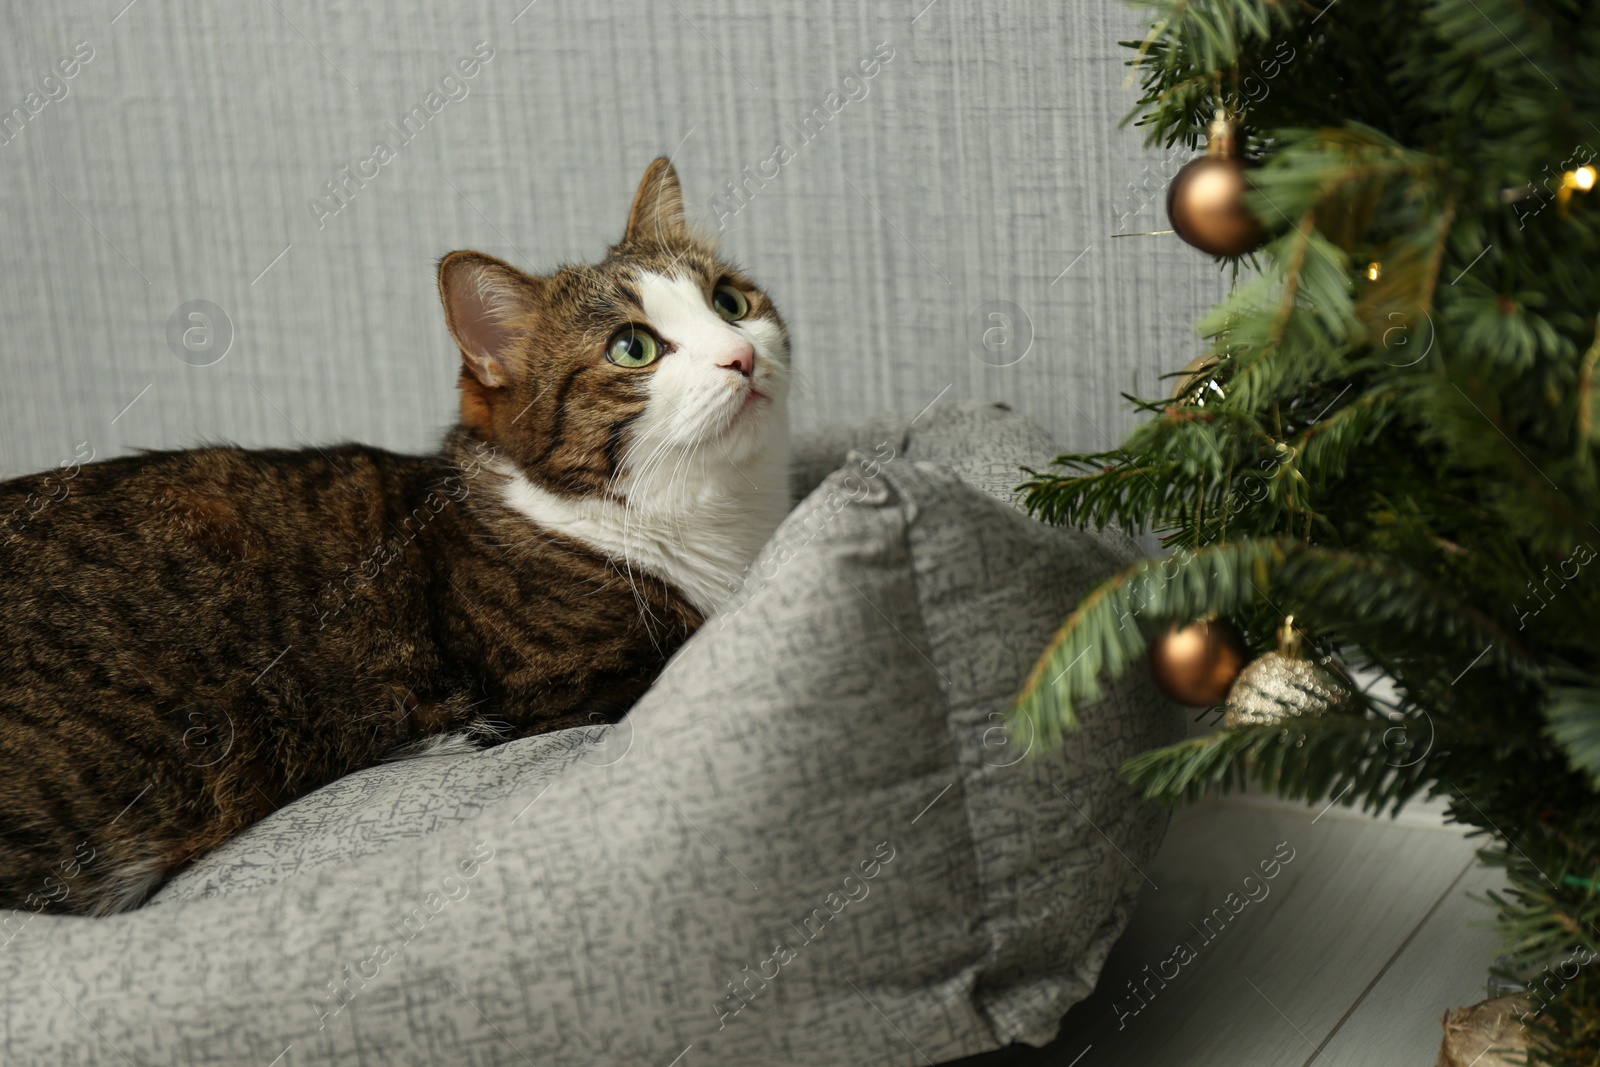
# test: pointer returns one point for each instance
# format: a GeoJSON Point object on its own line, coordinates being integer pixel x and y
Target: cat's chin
{"type": "Point", "coordinates": [754, 408]}
{"type": "Point", "coordinates": [752, 398]}
{"type": "Point", "coordinates": [754, 423]}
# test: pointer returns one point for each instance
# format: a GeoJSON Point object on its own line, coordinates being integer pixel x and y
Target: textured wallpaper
{"type": "Point", "coordinates": [221, 219]}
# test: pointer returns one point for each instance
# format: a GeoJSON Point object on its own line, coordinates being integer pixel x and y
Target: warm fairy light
{"type": "Point", "coordinates": [1374, 270]}
{"type": "Point", "coordinates": [1583, 178]}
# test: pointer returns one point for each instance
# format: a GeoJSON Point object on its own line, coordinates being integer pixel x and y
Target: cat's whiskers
{"type": "Point", "coordinates": [677, 517]}
{"type": "Point", "coordinates": [664, 504]}
{"type": "Point", "coordinates": [645, 613]}
{"type": "Point", "coordinates": [629, 514]}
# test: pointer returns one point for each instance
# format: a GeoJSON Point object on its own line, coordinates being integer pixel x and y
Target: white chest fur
{"type": "Point", "coordinates": [702, 542]}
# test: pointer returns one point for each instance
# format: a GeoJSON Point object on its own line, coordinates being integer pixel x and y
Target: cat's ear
{"type": "Point", "coordinates": [486, 303]}
{"type": "Point", "coordinates": [657, 216]}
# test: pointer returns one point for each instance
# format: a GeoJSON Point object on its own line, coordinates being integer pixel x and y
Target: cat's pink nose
{"type": "Point", "coordinates": [741, 358]}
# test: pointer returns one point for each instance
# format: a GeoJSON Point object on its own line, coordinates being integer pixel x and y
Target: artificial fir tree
{"type": "Point", "coordinates": [1397, 444]}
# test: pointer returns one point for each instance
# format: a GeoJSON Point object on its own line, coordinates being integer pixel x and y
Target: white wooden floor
{"type": "Point", "coordinates": [1360, 943]}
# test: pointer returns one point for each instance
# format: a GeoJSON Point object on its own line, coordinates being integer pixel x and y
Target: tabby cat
{"type": "Point", "coordinates": [189, 640]}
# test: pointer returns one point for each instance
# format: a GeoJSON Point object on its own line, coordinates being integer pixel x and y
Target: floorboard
{"type": "Point", "coordinates": [1444, 966]}
{"type": "Point", "coordinates": [1349, 955]}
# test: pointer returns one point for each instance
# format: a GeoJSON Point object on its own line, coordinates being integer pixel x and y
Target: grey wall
{"type": "Point", "coordinates": [982, 162]}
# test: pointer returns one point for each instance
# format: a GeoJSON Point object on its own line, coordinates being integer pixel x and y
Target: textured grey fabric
{"type": "Point", "coordinates": [944, 435]}
{"type": "Point", "coordinates": [813, 802]}
{"type": "Point", "coordinates": [984, 443]}
{"type": "Point", "coordinates": [983, 163]}
{"type": "Point", "coordinates": [384, 806]}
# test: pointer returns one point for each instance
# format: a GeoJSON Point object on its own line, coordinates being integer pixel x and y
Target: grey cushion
{"type": "Point", "coordinates": [984, 443]}
{"type": "Point", "coordinates": [807, 844]}
{"type": "Point", "coordinates": [381, 807]}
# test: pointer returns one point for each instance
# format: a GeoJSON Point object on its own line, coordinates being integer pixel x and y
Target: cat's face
{"type": "Point", "coordinates": [604, 379]}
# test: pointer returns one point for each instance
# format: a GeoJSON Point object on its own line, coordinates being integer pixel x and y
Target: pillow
{"type": "Point", "coordinates": [986, 444]}
{"type": "Point", "coordinates": [383, 806]}
{"type": "Point", "coordinates": [816, 846]}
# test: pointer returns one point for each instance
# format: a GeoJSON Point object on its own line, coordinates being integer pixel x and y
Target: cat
{"type": "Point", "coordinates": [191, 639]}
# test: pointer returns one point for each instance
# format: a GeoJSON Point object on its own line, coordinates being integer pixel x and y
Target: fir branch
{"type": "Point", "coordinates": [1364, 600]}
{"type": "Point", "coordinates": [1573, 716]}
{"type": "Point", "coordinates": [1349, 758]}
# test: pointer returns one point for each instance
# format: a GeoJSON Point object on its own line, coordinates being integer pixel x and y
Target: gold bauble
{"type": "Point", "coordinates": [1190, 376]}
{"type": "Point", "coordinates": [1206, 198]}
{"type": "Point", "coordinates": [1278, 687]}
{"type": "Point", "coordinates": [1195, 664]}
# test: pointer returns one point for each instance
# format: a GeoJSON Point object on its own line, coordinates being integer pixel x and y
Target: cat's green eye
{"type": "Point", "coordinates": [730, 303]}
{"type": "Point", "coordinates": [633, 348]}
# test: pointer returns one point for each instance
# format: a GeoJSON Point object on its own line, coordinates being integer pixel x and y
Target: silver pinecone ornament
{"type": "Point", "coordinates": [1282, 685]}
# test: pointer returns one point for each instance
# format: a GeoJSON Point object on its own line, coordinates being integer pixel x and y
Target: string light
{"type": "Point", "coordinates": [1580, 180]}
{"type": "Point", "coordinates": [1374, 271]}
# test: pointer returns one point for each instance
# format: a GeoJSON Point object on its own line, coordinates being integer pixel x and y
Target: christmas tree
{"type": "Point", "coordinates": [1394, 440]}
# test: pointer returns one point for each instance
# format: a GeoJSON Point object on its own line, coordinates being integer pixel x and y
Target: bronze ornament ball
{"type": "Point", "coordinates": [1206, 205]}
{"type": "Point", "coordinates": [1197, 664]}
